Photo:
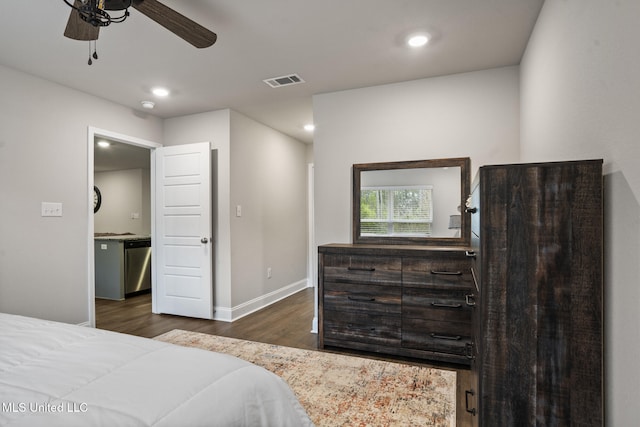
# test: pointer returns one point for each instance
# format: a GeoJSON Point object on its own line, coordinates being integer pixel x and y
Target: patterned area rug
{"type": "Point", "coordinates": [339, 390]}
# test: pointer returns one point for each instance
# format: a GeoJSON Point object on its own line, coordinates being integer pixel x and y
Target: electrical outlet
{"type": "Point", "coordinates": [269, 273]}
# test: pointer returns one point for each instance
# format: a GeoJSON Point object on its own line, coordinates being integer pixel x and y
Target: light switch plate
{"type": "Point", "coordinates": [51, 209]}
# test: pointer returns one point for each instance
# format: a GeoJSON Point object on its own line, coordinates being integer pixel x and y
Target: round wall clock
{"type": "Point", "coordinates": [97, 199]}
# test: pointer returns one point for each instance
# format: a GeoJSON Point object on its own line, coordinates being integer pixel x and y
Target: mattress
{"type": "Point", "coordinates": [56, 374]}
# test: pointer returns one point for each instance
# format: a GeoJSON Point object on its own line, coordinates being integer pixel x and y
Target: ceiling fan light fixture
{"type": "Point", "coordinates": [148, 104]}
{"type": "Point", "coordinates": [94, 11]}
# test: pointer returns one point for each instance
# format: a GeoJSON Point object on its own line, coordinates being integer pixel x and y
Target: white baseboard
{"type": "Point", "coordinates": [232, 314]}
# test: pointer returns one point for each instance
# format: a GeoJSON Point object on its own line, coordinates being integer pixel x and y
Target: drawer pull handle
{"type": "Point", "coordinates": [446, 337]}
{"type": "Point", "coordinates": [361, 269]}
{"type": "Point", "coordinates": [351, 326]}
{"type": "Point", "coordinates": [361, 299]}
{"type": "Point", "coordinates": [447, 273]}
{"type": "Point", "coordinates": [446, 305]}
{"type": "Point", "coordinates": [470, 254]}
{"type": "Point", "coordinates": [472, 411]}
{"type": "Point", "coordinates": [470, 300]}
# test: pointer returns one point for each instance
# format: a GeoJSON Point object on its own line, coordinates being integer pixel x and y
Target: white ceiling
{"type": "Point", "coordinates": [332, 44]}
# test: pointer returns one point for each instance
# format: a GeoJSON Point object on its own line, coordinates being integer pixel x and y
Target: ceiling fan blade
{"type": "Point", "coordinates": [77, 29]}
{"type": "Point", "coordinates": [178, 24]}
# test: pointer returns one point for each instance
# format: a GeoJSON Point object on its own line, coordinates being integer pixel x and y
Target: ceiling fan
{"type": "Point", "coordinates": [88, 16]}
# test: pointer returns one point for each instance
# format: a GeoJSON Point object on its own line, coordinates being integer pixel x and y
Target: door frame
{"type": "Point", "coordinates": [92, 133]}
{"type": "Point", "coordinates": [312, 251]}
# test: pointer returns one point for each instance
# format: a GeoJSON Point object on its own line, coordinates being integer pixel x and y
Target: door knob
{"type": "Point", "coordinates": [204, 240]}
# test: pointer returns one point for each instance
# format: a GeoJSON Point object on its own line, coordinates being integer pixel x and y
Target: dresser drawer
{"type": "Point", "coordinates": [353, 297]}
{"type": "Point", "coordinates": [431, 335]}
{"type": "Point", "coordinates": [438, 305]}
{"type": "Point", "coordinates": [362, 327]}
{"type": "Point", "coordinates": [397, 300]}
{"type": "Point", "coordinates": [445, 272]}
{"type": "Point", "coordinates": [362, 269]}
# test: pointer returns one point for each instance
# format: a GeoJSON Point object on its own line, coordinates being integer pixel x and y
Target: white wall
{"type": "Point", "coordinates": [472, 115]}
{"type": "Point", "coordinates": [124, 192]}
{"type": "Point", "coordinates": [269, 182]}
{"type": "Point", "coordinates": [580, 89]}
{"type": "Point", "coordinates": [44, 157]}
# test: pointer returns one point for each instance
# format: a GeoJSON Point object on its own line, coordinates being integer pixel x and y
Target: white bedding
{"type": "Point", "coordinates": [55, 374]}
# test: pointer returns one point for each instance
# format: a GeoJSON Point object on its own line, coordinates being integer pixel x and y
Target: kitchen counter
{"type": "Point", "coordinates": [120, 237]}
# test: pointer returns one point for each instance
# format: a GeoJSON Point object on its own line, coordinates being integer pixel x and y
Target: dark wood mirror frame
{"type": "Point", "coordinates": [464, 163]}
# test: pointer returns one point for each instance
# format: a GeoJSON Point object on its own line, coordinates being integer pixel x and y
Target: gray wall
{"type": "Point", "coordinates": [269, 182]}
{"type": "Point", "coordinates": [472, 115]}
{"type": "Point", "coordinates": [124, 192]}
{"type": "Point", "coordinates": [581, 99]}
{"type": "Point", "coordinates": [44, 158]}
{"type": "Point", "coordinates": [263, 171]}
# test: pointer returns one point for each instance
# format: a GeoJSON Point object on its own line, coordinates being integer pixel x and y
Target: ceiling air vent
{"type": "Point", "coordinates": [292, 79]}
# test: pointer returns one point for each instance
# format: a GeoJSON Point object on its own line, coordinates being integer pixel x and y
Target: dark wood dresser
{"type": "Point", "coordinates": [538, 235]}
{"type": "Point", "coordinates": [413, 301]}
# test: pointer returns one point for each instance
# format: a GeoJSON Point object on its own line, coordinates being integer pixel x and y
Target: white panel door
{"type": "Point", "coordinates": [183, 239]}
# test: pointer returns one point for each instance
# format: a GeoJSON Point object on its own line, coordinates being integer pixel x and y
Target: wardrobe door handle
{"type": "Point", "coordinates": [472, 411]}
{"type": "Point", "coordinates": [470, 300]}
{"type": "Point", "coordinates": [445, 305]}
{"type": "Point", "coordinates": [447, 273]}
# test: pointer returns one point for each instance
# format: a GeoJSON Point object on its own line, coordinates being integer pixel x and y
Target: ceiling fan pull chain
{"type": "Point", "coordinates": [95, 52]}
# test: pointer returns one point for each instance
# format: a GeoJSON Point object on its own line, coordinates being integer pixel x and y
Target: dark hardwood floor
{"type": "Point", "coordinates": [287, 322]}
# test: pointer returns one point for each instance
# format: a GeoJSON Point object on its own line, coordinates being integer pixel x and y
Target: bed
{"type": "Point", "coordinates": [56, 374]}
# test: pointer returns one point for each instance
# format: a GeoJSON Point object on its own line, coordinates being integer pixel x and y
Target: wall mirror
{"type": "Point", "coordinates": [412, 203]}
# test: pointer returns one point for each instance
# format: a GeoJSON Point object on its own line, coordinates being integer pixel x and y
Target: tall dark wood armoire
{"type": "Point", "coordinates": [538, 236]}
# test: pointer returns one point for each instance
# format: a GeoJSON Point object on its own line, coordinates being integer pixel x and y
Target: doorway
{"type": "Point", "coordinates": [125, 153]}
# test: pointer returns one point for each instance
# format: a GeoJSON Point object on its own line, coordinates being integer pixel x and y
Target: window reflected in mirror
{"type": "Point", "coordinates": [410, 202]}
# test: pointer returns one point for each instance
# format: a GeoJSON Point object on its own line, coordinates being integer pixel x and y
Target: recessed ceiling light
{"type": "Point", "coordinates": [148, 104]}
{"type": "Point", "coordinates": [418, 40]}
{"type": "Point", "coordinates": [309, 127]}
{"type": "Point", "coordinates": [160, 91]}
{"type": "Point", "coordinates": [103, 144]}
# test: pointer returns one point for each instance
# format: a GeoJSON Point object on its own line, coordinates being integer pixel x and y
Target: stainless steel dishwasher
{"type": "Point", "coordinates": [137, 266]}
